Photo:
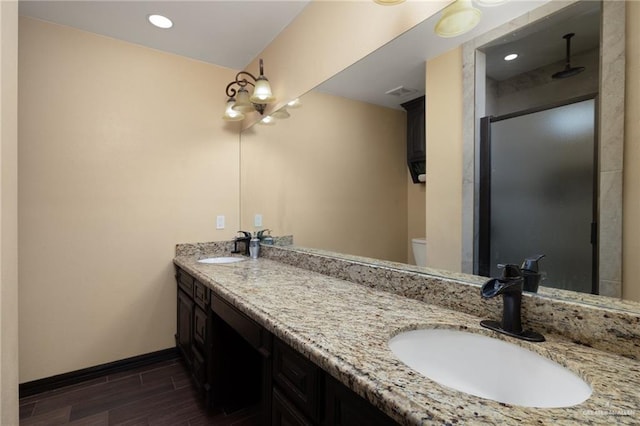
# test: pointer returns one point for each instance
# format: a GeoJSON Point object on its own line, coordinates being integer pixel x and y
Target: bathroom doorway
{"type": "Point", "coordinates": [538, 193]}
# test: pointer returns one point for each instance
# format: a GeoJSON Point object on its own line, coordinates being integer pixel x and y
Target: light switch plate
{"type": "Point", "coordinates": [257, 220]}
{"type": "Point", "coordinates": [219, 222]}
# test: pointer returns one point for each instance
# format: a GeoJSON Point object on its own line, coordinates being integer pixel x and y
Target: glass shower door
{"type": "Point", "coordinates": [541, 193]}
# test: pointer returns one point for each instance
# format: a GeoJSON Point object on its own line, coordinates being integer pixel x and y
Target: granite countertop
{"type": "Point", "coordinates": [344, 328]}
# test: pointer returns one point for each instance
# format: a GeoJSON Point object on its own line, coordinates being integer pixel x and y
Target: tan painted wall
{"type": "Point", "coordinates": [328, 36]}
{"type": "Point", "coordinates": [122, 155]}
{"type": "Point", "coordinates": [9, 213]}
{"type": "Point", "coordinates": [111, 169]}
{"type": "Point", "coordinates": [334, 175]}
{"type": "Point", "coordinates": [631, 183]}
{"type": "Point", "coordinates": [444, 161]}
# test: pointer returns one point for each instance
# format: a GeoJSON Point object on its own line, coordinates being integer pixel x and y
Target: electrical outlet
{"type": "Point", "coordinates": [257, 220]}
{"type": "Point", "coordinates": [219, 222]}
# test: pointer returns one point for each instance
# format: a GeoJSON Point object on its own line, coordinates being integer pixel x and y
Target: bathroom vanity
{"type": "Point", "coordinates": [312, 348]}
{"type": "Point", "coordinates": [234, 361]}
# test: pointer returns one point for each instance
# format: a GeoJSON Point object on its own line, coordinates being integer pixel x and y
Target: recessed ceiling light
{"type": "Point", "coordinates": [160, 21]}
{"type": "Point", "coordinates": [511, 57]}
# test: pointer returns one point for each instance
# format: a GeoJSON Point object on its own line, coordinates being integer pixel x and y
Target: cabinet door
{"type": "Point", "coordinates": [415, 129]}
{"type": "Point", "coordinates": [298, 378]}
{"type": "Point", "coordinates": [416, 151]}
{"type": "Point", "coordinates": [346, 408]}
{"type": "Point", "coordinates": [200, 329]}
{"type": "Point", "coordinates": [284, 413]}
{"type": "Point", "coordinates": [199, 370]}
{"type": "Point", "coordinates": [185, 325]}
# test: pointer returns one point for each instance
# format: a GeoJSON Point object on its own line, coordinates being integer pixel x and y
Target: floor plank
{"type": "Point", "coordinates": [153, 395]}
{"type": "Point", "coordinates": [59, 416]}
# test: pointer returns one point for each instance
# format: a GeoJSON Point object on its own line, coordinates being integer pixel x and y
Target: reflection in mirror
{"type": "Point", "coordinates": [539, 195]}
{"type": "Point", "coordinates": [337, 169]}
{"type": "Point", "coordinates": [320, 175]}
{"type": "Point", "coordinates": [334, 175]}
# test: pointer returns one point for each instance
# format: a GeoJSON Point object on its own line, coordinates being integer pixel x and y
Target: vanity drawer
{"type": "Point", "coordinates": [299, 379]}
{"type": "Point", "coordinates": [258, 337]}
{"type": "Point", "coordinates": [283, 412]}
{"type": "Point", "coordinates": [200, 294]}
{"type": "Point", "coordinates": [185, 281]}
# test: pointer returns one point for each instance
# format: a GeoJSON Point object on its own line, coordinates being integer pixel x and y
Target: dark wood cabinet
{"type": "Point", "coordinates": [235, 362]}
{"type": "Point", "coordinates": [346, 408]}
{"type": "Point", "coordinates": [201, 294]}
{"type": "Point", "coordinates": [299, 380]}
{"type": "Point", "coordinates": [193, 328]}
{"type": "Point", "coordinates": [416, 137]}
{"type": "Point", "coordinates": [200, 329]}
{"type": "Point", "coordinates": [284, 413]}
{"type": "Point", "coordinates": [185, 325]}
{"type": "Point", "coordinates": [242, 374]}
{"type": "Point", "coordinates": [185, 282]}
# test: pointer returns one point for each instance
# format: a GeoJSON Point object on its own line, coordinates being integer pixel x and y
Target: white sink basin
{"type": "Point", "coordinates": [489, 368]}
{"type": "Point", "coordinates": [220, 260]}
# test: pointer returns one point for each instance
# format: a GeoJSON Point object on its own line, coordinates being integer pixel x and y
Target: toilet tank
{"type": "Point", "coordinates": [419, 251]}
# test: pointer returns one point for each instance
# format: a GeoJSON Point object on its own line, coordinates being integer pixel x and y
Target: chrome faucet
{"type": "Point", "coordinates": [510, 286]}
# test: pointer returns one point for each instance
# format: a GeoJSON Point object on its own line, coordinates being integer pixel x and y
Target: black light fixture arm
{"type": "Point", "coordinates": [242, 82]}
{"type": "Point", "coordinates": [231, 91]}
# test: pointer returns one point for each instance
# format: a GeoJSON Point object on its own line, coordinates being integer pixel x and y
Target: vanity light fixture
{"type": "Point", "coordinates": [160, 21]}
{"type": "Point", "coordinates": [511, 57]}
{"type": "Point", "coordinates": [240, 101]}
{"type": "Point", "coordinates": [457, 18]}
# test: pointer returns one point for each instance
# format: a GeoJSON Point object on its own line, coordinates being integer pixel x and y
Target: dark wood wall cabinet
{"type": "Point", "coordinates": [416, 151]}
{"type": "Point", "coordinates": [235, 363]}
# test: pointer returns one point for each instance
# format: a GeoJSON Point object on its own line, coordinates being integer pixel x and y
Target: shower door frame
{"type": "Point", "coordinates": [484, 194]}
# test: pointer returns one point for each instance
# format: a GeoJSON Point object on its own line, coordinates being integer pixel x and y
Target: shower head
{"type": "Point", "coordinates": [568, 70]}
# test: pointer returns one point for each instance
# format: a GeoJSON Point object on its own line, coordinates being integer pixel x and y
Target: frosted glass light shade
{"type": "Point", "coordinates": [281, 114]}
{"type": "Point", "coordinates": [230, 114]}
{"type": "Point", "coordinates": [491, 3]}
{"type": "Point", "coordinates": [388, 2]}
{"type": "Point", "coordinates": [458, 18]}
{"type": "Point", "coordinates": [296, 103]}
{"type": "Point", "coordinates": [262, 92]}
{"type": "Point", "coordinates": [267, 121]}
{"type": "Point", "coordinates": [243, 104]}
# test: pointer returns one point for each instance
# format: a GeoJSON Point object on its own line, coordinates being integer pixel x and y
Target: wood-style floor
{"type": "Point", "coordinates": [157, 394]}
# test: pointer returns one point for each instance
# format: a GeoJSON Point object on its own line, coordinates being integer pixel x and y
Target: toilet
{"type": "Point", "coordinates": [419, 251]}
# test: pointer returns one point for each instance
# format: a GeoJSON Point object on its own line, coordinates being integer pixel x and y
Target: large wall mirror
{"type": "Point", "coordinates": [334, 173]}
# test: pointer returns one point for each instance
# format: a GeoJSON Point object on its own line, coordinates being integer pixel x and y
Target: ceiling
{"type": "Point", "coordinates": [542, 43]}
{"type": "Point", "coordinates": [401, 63]}
{"type": "Point", "coordinates": [232, 33]}
{"type": "Point", "coordinates": [226, 33]}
